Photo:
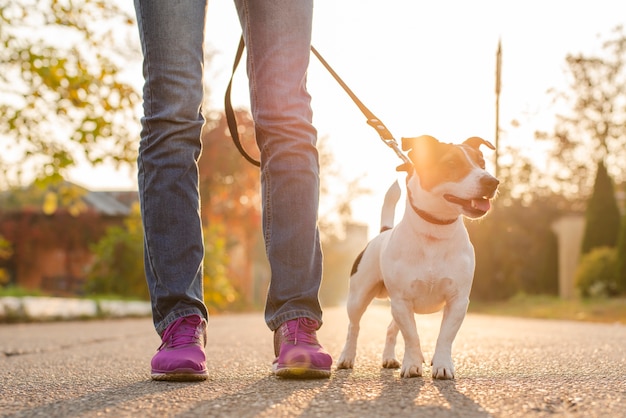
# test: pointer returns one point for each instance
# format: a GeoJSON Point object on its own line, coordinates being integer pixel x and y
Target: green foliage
{"type": "Point", "coordinates": [596, 273]}
{"type": "Point", "coordinates": [16, 291]}
{"type": "Point", "coordinates": [6, 250]}
{"type": "Point", "coordinates": [218, 290]}
{"type": "Point", "coordinates": [602, 218]}
{"type": "Point", "coordinates": [118, 268]}
{"type": "Point", "coordinates": [621, 258]}
{"type": "Point", "coordinates": [513, 245]}
{"type": "Point", "coordinates": [47, 195]}
{"type": "Point", "coordinates": [64, 100]}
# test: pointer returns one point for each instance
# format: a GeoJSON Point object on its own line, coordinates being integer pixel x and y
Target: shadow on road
{"type": "Point", "coordinates": [347, 394]}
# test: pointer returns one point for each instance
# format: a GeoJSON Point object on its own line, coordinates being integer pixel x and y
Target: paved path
{"type": "Point", "coordinates": [505, 368]}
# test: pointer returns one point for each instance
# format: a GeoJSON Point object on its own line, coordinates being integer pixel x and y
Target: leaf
{"type": "Point", "coordinates": [50, 203]}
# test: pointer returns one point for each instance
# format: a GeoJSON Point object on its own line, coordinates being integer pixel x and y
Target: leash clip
{"type": "Point", "coordinates": [391, 143]}
{"type": "Point", "coordinates": [389, 140]}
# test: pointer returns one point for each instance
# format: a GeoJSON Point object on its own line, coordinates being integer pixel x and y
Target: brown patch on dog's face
{"type": "Point", "coordinates": [472, 146]}
{"type": "Point", "coordinates": [437, 163]}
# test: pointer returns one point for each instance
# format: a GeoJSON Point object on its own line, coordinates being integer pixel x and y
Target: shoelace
{"type": "Point", "coordinates": [184, 331]}
{"type": "Point", "coordinates": [293, 332]}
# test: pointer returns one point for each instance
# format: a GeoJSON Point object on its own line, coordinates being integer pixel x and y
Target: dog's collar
{"type": "Point", "coordinates": [423, 214]}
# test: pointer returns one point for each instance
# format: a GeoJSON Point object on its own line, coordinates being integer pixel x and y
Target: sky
{"type": "Point", "coordinates": [422, 67]}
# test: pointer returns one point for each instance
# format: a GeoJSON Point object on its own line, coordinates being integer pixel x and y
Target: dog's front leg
{"type": "Point", "coordinates": [413, 361]}
{"type": "Point", "coordinates": [453, 315]}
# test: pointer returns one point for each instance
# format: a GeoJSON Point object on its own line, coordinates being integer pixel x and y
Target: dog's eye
{"type": "Point", "coordinates": [451, 164]}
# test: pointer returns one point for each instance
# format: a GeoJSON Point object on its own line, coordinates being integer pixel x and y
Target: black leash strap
{"type": "Point", "coordinates": [372, 120]}
{"type": "Point", "coordinates": [231, 120]}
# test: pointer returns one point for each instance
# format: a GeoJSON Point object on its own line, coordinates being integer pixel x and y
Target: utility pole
{"type": "Point", "coordinates": [498, 76]}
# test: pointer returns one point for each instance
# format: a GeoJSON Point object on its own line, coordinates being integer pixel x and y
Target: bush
{"type": "Point", "coordinates": [219, 292]}
{"type": "Point", "coordinates": [118, 269]}
{"type": "Point", "coordinates": [597, 273]}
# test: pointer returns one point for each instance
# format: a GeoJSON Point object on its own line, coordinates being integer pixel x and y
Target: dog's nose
{"type": "Point", "coordinates": [489, 182]}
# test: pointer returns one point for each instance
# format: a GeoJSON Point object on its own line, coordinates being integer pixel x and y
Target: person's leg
{"type": "Point", "coordinates": [278, 41]}
{"type": "Point", "coordinates": [172, 36]}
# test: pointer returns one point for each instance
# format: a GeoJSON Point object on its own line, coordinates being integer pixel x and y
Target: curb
{"type": "Point", "coordinates": [33, 309]}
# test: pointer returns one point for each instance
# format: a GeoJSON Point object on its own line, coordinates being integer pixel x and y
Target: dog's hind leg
{"type": "Point", "coordinates": [358, 301]}
{"type": "Point", "coordinates": [389, 353]}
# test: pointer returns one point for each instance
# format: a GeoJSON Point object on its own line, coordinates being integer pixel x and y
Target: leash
{"type": "Point", "coordinates": [372, 120]}
{"type": "Point", "coordinates": [231, 120]}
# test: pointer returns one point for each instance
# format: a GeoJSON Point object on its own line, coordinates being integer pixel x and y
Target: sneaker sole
{"type": "Point", "coordinates": [180, 376]}
{"type": "Point", "coordinates": [301, 373]}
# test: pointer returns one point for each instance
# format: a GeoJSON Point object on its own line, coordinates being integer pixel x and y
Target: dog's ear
{"type": "Point", "coordinates": [411, 143]}
{"type": "Point", "coordinates": [424, 150]}
{"type": "Point", "coordinates": [476, 142]}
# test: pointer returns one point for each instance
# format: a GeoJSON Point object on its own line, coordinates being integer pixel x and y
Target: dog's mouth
{"type": "Point", "coordinates": [474, 208]}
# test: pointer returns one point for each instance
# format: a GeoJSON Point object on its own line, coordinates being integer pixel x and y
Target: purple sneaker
{"type": "Point", "coordinates": [298, 353]}
{"type": "Point", "coordinates": [181, 354]}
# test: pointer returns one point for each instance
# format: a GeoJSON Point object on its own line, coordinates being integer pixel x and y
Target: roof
{"type": "Point", "coordinates": [111, 203]}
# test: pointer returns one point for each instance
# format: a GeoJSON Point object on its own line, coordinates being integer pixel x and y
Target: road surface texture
{"type": "Point", "coordinates": [505, 367]}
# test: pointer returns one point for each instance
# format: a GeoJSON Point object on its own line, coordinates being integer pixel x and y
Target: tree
{"type": "Point", "coordinates": [621, 257]}
{"type": "Point", "coordinates": [63, 95]}
{"type": "Point", "coordinates": [513, 245]}
{"type": "Point", "coordinates": [602, 218]}
{"type": "Point", "coordinates": [593, 128]}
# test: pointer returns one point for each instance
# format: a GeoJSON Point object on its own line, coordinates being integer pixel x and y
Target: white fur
{"type": "Point", "coordinates": [422, 267]}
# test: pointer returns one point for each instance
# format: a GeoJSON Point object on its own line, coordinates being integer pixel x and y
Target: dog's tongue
{"type": "Point", "coordinates": [481, 204]}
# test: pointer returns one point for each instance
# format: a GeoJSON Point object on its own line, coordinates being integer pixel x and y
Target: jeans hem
{"type": "Point", "coordinates": [173, 316]}
{"type": "Point", "coordinates": [277, 321]}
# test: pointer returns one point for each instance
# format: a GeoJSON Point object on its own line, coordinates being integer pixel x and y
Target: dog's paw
{"type": "Point", "coordinates": [412, 363]}
{"type": "Point", "coordinates": [345, 363]}
{"type": "Point", "coordinates": [442, 368]}
{"type": "Point", "coordinates": [391, 363]}
{"type": "Point", "coordinates": [411, 370]}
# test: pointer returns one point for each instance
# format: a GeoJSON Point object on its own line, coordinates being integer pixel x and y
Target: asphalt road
{"type": "Point", "coordinates": [505, 368]}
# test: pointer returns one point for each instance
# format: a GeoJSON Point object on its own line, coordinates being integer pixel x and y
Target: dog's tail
{"type": "Point", "coordinates": [389, 206]}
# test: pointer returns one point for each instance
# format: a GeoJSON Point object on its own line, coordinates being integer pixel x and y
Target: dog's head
{"type": "Point", "coordinates": [452, 177]}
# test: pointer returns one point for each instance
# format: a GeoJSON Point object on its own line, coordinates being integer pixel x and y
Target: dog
{"type": "Point", "coordinates": [426, 262]}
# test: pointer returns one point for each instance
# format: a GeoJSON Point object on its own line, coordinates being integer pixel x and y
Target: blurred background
{"type": "Point", "coordinates": [545, 81]}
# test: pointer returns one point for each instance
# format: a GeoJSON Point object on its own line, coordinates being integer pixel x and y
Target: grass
{"type": "Point", "coordinates": [549, 307]}
{"type": "Point", "coordinates": [15, 291]}
{"type": "Point", "coordinates": [526, 306]}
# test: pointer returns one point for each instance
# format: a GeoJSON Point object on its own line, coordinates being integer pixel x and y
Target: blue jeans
{"type": "Point", "coordinates": [278, 37]}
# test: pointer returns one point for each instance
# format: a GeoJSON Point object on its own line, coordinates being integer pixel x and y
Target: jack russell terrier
{"type": "Point", "coordinates": [426, 262]}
